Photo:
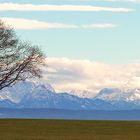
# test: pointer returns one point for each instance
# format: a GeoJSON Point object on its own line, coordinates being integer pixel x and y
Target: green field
{"type": "Point", "coordinates": [68, 130]}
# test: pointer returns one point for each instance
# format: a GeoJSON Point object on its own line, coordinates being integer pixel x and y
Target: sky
{"type": "Point", "coordinates": [90, 44]}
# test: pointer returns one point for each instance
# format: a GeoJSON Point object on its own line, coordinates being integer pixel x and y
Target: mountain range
{"type": "Point", "coordinates": [37, 94]}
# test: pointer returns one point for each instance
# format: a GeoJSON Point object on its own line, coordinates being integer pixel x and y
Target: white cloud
{"type": "Point", "coordinates": [99, 26]}
{"type": "Point", "coordinates": [66, 74]}
{"type": "Point", "coordinates": [32, 7]}
{"type": "Point", "coordinates": [132, 1]}
{"type": "Point", "coordinates": [20, 23]}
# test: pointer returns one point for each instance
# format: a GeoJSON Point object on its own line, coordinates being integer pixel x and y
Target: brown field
{"type": "Point", "coordinates": [12, 129]}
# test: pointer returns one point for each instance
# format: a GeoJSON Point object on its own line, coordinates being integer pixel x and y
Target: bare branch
{"type": "Point", "coordinates": [18, 60]}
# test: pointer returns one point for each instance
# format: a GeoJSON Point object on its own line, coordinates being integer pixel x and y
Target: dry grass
{"type": "Point", "coordinates": [68, 130]}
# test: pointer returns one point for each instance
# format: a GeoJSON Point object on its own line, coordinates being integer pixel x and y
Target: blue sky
{"type": "Point", "coordinates": [116, 44]}
{"type": "Point", "coordinates": [90, 44]}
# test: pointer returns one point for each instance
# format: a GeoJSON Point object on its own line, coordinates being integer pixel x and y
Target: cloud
{"type": "Point", "coordinates": [20, 23]}
{"type": "Point", "coordinates": [130, 1]}
{"type": "Point", "coordinates": [66, 74]}
{"type": "Point", "coordinates": [45, 7]}
{"type": "Point", "coordinates": [119, 1]}
{"type": "Point", "coordinates": [99, 26]}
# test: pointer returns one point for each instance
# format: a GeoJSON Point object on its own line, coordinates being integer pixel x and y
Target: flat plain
{"type": "Point", "coordinates": [30, 129]}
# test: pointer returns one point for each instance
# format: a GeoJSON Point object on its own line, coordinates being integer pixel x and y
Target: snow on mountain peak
{"type": "Point", "coordinates": [82, 93]}
{"type": "Point", "coordinates": [19, 90]}
{"type": "Point", "coordinates": [40, 94]}
{"type": "Point", "coordinates": [119, 95]}
{"type": "Point", "coordinates": [43, 85]}
{"type": "Point", "coordinates": [135, 96]}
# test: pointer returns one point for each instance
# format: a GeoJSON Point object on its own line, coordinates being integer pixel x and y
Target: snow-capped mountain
{"type": "Point", "coordinates": [121, 99]}
{"type": "Point", "coordinates": [21, 89]}
{"type": "Point", "coordinates": [44, 97]}
{"type": "Point", "coordinates": [82, 93]}
{"type": "Point", "coordinates": [41, 95]}
{"type": "Point", "coordinates": [16, 92]}
{"type": "Point", "coordinates": [115, 95]}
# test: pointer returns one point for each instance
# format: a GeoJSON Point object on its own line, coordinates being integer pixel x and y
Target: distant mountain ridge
{"type": "Point", "coordinates": [41, 95]}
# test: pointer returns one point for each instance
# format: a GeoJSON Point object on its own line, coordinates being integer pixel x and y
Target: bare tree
{"type": "Point", "coordinates": [18, 60]}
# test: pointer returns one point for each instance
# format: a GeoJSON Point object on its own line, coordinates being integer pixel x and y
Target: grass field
{"type": "Point", "coordinates": [68, 130]}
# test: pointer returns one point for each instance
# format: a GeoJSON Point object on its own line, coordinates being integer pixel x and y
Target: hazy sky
{"type": "Point", "coordinates": [90, 44]}
{"type": "Point", "coordinates": [99, 30]}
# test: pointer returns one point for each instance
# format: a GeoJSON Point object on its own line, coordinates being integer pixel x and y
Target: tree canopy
{"type": "Point", "coordinates": [19, 60]}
